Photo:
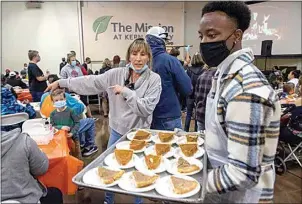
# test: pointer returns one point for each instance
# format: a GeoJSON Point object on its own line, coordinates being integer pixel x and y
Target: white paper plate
{"type": "Point", "coordinates": [142, 167]}
{"type": "Point", "coordinates": [131, 135]}
{"type": "Point", "coordinates": [151, 150]}
{"type": "Point", "coordinates": [165, 187]}
{"type": "Point", "coordinates": [199, 153]}
{"type": "Point", "coordinates": [111, 161]}
{"type": "Point", "coordinates": [171, 166]}
{"type": "Point", "coordinates": [183, 139]}
{"type": "Point", "coordinates": [127, 183]}
{"type": "Point", "coordinates": [126, 145]}
{"type": "Point", "coordinates": [91, 177]}
{"type": "Point", "coordinates": [155, 139]}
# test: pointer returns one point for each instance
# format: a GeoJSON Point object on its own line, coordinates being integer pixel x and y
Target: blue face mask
{"type": "Point", "coordinates": [139, 71]}
{"type": "Point", "coordinates": [73, 63]}
{"type": "Point", "coordinates": [59, 104]}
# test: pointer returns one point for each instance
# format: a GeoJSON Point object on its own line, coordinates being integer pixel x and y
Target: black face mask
{"type": "Point", "coordinates": [213, 53]}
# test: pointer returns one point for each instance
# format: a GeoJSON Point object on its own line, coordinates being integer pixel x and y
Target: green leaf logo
{"type": "Point", "coordinates": [100, 25]}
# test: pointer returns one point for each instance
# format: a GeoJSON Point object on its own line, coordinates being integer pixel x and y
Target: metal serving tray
{"type": "Point", "coordinates": [153, 195]}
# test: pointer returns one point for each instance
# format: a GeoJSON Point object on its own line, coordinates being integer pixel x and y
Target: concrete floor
{"type": "Point", "coordinates": [288, 187]}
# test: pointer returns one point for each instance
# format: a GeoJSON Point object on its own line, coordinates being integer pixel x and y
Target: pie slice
{"type": "Point", "coordinates": [123, 156]}
{"type": "Point", "coordinates": [165, 136]}
{"type": "Point", "coordinates": [142, 135]}
{"type": "Point", "coordinates": [184, 166]}
{"type": "Point", "coordinates": [182, 186]}
{"type": "Point", "coordinates": [152, 161]}
{"type": "Point", "coordinates": [109, 176]}
{"type": "Point", "coordinates": [189, 149]}
{"type": "Point", "coordinates": [162, 149]}
{"type": "Point", "coordinates": [137, 144]}
{"type": "Point", "coordinates": [191, 138]}
{"type": "Point", "coordinates": [142, 180]}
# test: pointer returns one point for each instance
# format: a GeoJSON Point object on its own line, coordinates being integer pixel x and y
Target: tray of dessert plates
{"type": "Point", "coordinates": [153, 164]}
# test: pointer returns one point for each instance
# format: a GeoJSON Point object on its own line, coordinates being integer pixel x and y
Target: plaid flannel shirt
{"type": "Point", "coordinates": [202, 88]}
{"type": "Point", "coordinates": [249, 112]}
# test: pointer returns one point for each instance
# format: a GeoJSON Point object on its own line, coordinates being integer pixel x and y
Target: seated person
{"type": "Point", "coordinates": [63, 118]}
{"type": "Point", "coordinates": [86, 130]}
{"type": "Point", "coordinates": [22, 161]}
{"type": "Point", "coordinates": [10, 105]}
{"type": "Point", "coordinates": [288, 91]}
{"type": "Point", "coordinates": [292, 131]}
{"type": "Point", "coordinates": [14, 81]}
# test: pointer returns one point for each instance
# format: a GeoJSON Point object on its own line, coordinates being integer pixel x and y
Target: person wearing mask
{"type": "Point", "coordinates": [21, 162]}
{"type": "Point", "coordinates": [87, 61]}
{"type": "Point", "coordinates": [13, 81]}
{"type": "Point", "coordinates": [84, 71]}
{"type": "Point", "coordinates": [175, 82]}
{"type": "Point", "coordinates": [133, 90]}
{"type": "Point", "coordinates": [293, 77]}
{"type": "Point", "coordinates": [116, 61]}
{"type": "Point", "coordinates": [193, 72]}
{"type": "Point", "coordinates": [63, 63]}
{"type": "Point", "coordinates": [242, 111]}
{"type": "Point", "coordinates": [72, 70]}
{"type": "Point", "coordinates": [36, 78]}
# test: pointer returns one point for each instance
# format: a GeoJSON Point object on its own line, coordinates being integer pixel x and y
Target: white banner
{"type": "Point", "coordinates": [109, 27]}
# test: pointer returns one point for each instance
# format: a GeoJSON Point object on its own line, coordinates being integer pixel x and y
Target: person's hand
{"type": "Point", "coordinates": [52, 86]}
{"type": "Point", "coordinates": [66, 128]}
{"type": "Point", "coordinates": [26, 101]}
{"type": "Point", "coordinates": [69, 135]}
{"type": "Point", "coordinates": [117, 89]}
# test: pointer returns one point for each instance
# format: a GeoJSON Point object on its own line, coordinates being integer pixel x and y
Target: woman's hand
{"type": "Point", "coordinates": [117, 89]}
{"type": "Point", "coordinates": [52, 86]}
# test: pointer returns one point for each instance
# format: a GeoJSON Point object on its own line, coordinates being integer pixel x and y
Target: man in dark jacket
{"type": "Point", "coordinates": [167, 114]}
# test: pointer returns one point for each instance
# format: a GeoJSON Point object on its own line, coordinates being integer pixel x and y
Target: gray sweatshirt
{"type": "Point", "coordinates": [21, 161]}
{"type": "Point", "coordinates": [131, 108]}
{"type": "Point", "coordinates": [69, 71]}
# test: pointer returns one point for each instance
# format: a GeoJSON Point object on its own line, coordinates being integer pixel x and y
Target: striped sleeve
{"type": "Point", "coordinates": [248, 118]}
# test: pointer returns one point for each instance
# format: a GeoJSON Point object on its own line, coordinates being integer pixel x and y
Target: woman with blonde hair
{"type": "Point", "coordinates": [105, 66]}
{"type": "Point", "coordinates": [133, 93]}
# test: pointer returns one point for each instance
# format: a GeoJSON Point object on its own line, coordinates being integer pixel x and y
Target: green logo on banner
{"type": "Point", "coordinates": [100, 25]}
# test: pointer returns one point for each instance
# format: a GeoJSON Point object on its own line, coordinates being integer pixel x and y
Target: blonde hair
{"type": "Point", "coordinates": [57, 92]}
{"type": "Point", "coordinates": [69, 56]}
{"type": "Point", "coordinates": [106, 63]}
{"type": "Point", "coordinates": [197, 60]}
{"type": "Point", "coordinates": [32, 54]}
{"type": "Point", "coordinates": [139, 45]}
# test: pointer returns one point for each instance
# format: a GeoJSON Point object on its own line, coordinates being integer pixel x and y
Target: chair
{"type": "Point", "coordinates": [13, 119]}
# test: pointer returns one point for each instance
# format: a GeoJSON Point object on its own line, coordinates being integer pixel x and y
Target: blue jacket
{"type": "Point", "coordinates": [174, 80]}
{"type": "Point", "coordinates": [9, 104]}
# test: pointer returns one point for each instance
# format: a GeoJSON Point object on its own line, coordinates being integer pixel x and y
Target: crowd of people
{"type": "Point", "coordinates": [219, 86]}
